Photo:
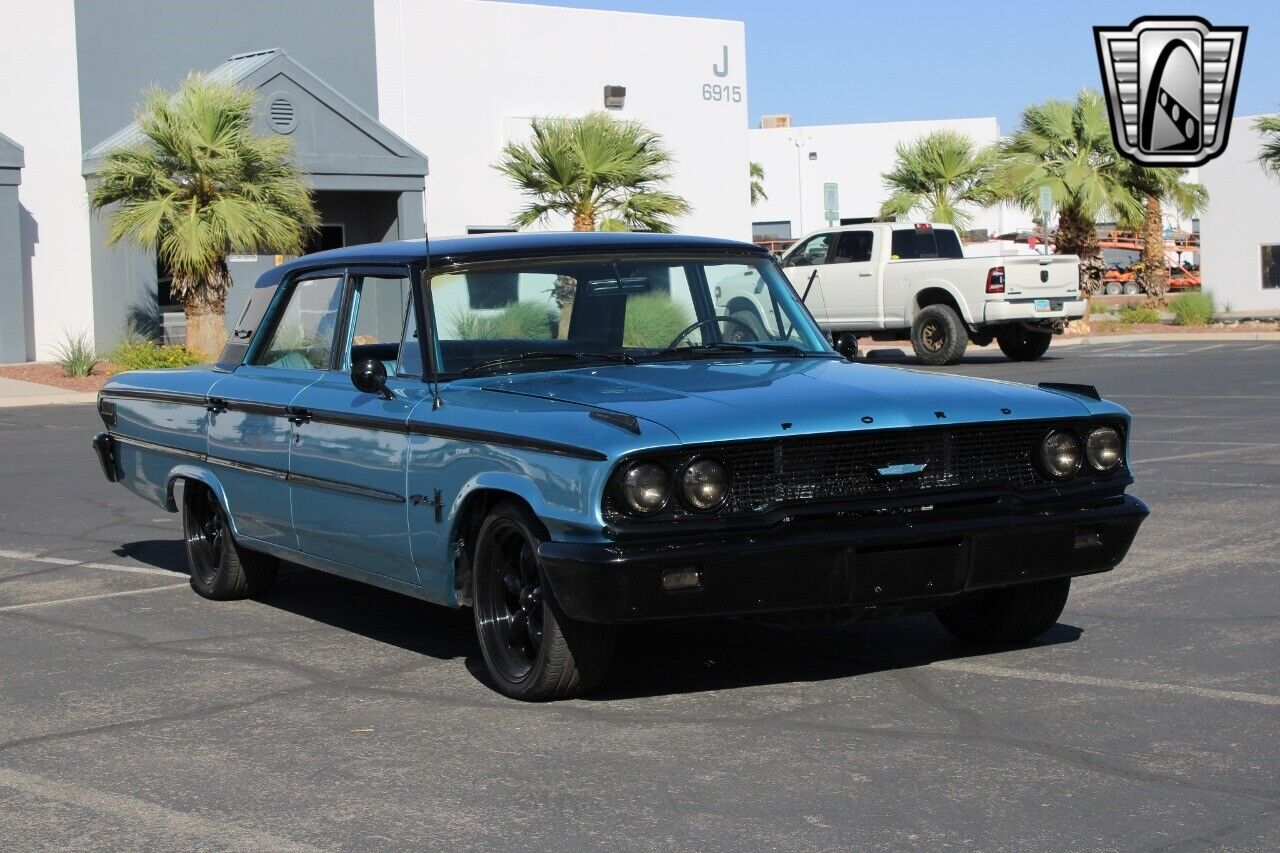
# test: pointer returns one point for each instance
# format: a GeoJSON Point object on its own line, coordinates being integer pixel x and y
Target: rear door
{"type": "Point", "coordinates": [249, 426]}
{"type": "Point", "coordinates": [350, 452]}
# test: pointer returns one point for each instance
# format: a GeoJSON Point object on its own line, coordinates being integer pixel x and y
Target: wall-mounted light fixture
{"type": "Point", "coordinates": [615, 97]}
{"type": "Point", "coordinates": [813, 155]}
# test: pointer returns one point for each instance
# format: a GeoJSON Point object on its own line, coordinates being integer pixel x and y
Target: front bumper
{"type": "Point", "coordinates": [841, 563]}
{"type": "Point", "coordinates": [1000, 311]}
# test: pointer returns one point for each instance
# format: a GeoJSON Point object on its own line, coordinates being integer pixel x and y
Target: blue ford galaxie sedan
{"type": "Point", "coordinates": [571, 431]}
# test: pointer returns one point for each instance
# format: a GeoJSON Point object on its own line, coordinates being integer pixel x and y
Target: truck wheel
{"type": "Point", "coordinates": [532, 649]}
{"type": "Point", "coordinates": [221, 568]}
{"type": "Point", "coordinates": [1021, 344]}
{"type": "Point", "coordinates": [1113, 288]}
{"type": "Point", "coordinates": [735, 333]}
{"type": "Point", "coordinates": [1011, 615]}
{"type": "Point", "coordinates": [1131, 288]}
{"type": "Point", "coordinates": [938, 336]}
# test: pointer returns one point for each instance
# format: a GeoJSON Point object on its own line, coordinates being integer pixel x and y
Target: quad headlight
{"type": "Point", "coordinates": [1060, 454]}
{"type": "Point", "coordinates": [704, 484]}
{"type": "Point", "coordinates": [645, 488]}
{"type": "Point", "coordinates": [1104, 449]}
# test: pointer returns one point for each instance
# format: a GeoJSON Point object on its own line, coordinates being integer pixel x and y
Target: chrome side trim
{"type": "Point", "coordinates": [154, 396]}
{"type": "Point", "coordinates": [264, 470]}
{"type": "Point", "coordinates": [162, 448]}
{"type": "Point", "coordinates": [349, 488]}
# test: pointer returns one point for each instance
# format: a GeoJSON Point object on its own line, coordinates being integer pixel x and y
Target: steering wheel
{"type": "Point", "coordinates": [708, 322]}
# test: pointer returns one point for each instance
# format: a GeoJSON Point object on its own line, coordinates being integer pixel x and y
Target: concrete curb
{"type": "Point", "coordinates": [1173, 338]}
{"type": "Point", "coordinates": [57, 398]}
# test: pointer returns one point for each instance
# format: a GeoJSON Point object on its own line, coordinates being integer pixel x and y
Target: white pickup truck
{"type": "Point", "coordinates": [899, 281]}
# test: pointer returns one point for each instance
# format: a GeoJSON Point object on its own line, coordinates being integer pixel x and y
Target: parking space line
{"type": "Point", "coordinates": [1204, 453]}
{"type": "Point", "coordinates": [974, 668]}
{"type": "Point", "coordinates": [63, 561]}
{"type": "Point", "coordinates": [153, 818]}
{"type": "Point", "coordinates": [1258, 347]}
{"type": "Point", "coordinates": [1202, 349]}
{"type": "Point", "coordinates": [74, 599]}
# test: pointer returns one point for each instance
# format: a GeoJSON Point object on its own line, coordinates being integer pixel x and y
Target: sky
{"type": "Point", "coordinates": [841, 61]}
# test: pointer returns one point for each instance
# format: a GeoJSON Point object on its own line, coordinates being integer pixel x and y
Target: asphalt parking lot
{"type": "Point", "coordinates": [134, 715]}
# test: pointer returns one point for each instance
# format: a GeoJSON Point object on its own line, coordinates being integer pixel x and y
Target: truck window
{"type": "Point", "coordinates": [914, 244]}
{"type": "Point", "coordinates": [810, 252]}
{"type": "Point", "coordinates": [854, 247]}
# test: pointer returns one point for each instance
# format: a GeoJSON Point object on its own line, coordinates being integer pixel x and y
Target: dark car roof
{"type": "Point", "coordinates": [451, 250]}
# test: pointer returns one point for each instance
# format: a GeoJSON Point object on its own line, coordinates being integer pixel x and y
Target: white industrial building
{"type": "Point", "coordinates": [799, 161]}
{"type": "Point", "coordinates": [370, 91]}
{"type": "Point", "coordinates": [1240, 230]}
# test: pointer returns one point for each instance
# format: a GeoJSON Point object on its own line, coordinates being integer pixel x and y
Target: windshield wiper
{"type": "Point", "coordinates": [523, 357]}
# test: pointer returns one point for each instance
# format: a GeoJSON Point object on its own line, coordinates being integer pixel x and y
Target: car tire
{"type": "Point", "coordinates": [533, 651]}
{"type": "Point", "coordinates": [1021, 344]}
{"type": "Point", "coordinates": [221, 568]}
{"type": "Point", "coordinates": [1011, 615]}
{"type": "Point", "coordinates": [734, 333]}
{"type": "Point", "coordinates": [1131, 288]}
{"type": "Point", "coordinates": [938, 336]}
{"type": "Point", "coordinates": [846, 343]}
{"type": "Point", "coordinates": [1113, 288]}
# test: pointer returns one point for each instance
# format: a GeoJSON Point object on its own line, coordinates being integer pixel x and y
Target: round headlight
{"type": "Point", "coordinates": [704, 483]}
{"type": "Point", "coordinates": [1060, 454]}
{"type": "Point", "coordinates": [645, 488]}
{"type": "Point", "coordinates": [1104, 449]}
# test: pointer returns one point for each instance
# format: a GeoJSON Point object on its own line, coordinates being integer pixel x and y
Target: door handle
{"type": "Point", "coordinates": [864, 275]}
{"type": "Point", "coordinates": [297, 416]}
{"type": "Point", "coordinates": [215, 405]}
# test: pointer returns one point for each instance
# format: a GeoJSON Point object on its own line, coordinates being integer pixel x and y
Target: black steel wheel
{"type": "Point", "coordinates": [532, 649]}
{"type": "Point", "coordinates": [220, 567]}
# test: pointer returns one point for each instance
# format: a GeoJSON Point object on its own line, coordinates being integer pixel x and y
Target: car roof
{"type": "Point", "coordinates": [446, 251]}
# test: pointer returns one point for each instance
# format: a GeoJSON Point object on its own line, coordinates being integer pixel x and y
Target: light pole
{"type": "Point", "coordinates": [799, 141]}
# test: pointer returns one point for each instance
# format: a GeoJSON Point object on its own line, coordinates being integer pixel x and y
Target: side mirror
{"type": "Point", "coordinates": [370, 376]}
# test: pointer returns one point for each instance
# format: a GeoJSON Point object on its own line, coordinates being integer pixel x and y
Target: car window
{"type": "Point", "coordinates": [304, 333]}
{"type": "Point", "coordinates": [569, 311]}
{"type": "Point", "coordinates": [911, 244]}
{"type": "Point", "coordinates": [379, 303]}
{"type": "Point", "coordinates": [810, 252]}
{"type": "Point", "coordinates": [854, 247]}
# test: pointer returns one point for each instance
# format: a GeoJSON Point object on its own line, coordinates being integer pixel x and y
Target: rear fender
{"type": "Point", "coordinates": [200, 475]}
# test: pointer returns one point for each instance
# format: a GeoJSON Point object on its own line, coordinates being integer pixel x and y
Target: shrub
{"type": "Point", "coordinates": [140, 354]}
{"type": "Point", "coordinates": [1131, 314]}
{"type": "Point", "coordinates": [653, 320]}
{"type": "Point", "coordinates": [1193, 308]}
{"type": "Point", "coordinates": [75, 354]}
{"type": "Point", "coordinates": [518, 321]}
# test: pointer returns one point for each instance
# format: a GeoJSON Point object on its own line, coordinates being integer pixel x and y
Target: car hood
{"type": "Point", "coordinates": [715, 400]}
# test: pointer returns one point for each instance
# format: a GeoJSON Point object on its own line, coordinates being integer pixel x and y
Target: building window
{"type": "Point", "coordinates": [1271, 267]}
{"type": "Point", "coordinates": [326, 237]}
{"type": "Point", "coordinates": [771, 230]}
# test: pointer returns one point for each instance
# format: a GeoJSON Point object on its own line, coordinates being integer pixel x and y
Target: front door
{"type": "Point", "coordinates": [350, 451]}
{"type": "Point", "coordinates": [849, 283]}
{"type": "Point", "coordinates": [249, 426]}
{"type": "Point", "coordinates": [806, 268]}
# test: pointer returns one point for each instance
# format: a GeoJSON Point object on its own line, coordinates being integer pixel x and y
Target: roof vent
{"type": "Point", "coordinates": [281, 114]}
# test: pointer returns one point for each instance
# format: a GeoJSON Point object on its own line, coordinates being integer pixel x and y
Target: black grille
{"type": "Point", "coordinates": [878, 464]}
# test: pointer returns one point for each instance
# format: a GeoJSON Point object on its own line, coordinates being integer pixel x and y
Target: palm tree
{"type": "Point", "coordinates": [1158, 187]}
{"type": "Point", "coordinates": [592, 167]}
{"type": "Point", "coordinates": [1067, 147]}
{"type": "Point", "coordinates": [1269, 127]}
{"type": "Point", "coordinates": [757, 184]}
{"type": "Point", "coordinates": [939, 176]}
{"type": "Point", "coordinates": [199, 186]}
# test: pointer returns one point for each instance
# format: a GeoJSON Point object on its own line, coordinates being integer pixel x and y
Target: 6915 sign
{"type": "Point", "coordinates": [722, 92]}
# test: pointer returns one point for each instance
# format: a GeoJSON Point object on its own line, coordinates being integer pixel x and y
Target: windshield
{"type": "Point", "coordinates": [551, 315]}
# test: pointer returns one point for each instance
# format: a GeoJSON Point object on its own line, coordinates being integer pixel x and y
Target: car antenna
{"type": "Point", "coordinates": [437, 401]}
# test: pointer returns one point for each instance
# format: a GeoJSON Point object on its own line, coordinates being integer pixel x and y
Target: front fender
{"type": "Point", "coordinates": [561, 521]}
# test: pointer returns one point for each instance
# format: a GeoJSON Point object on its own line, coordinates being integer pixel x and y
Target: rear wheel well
{"type": "Point", "coordinates": [937, 296]}
{"type": "Point", "coordinates": [742, 303]}
{"type": "Point", "coordinates": [471, 515]}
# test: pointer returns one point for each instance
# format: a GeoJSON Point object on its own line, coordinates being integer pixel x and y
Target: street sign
{"type": "Point", "coordinates": [1046, 214]}
{"type": "Point", "coordinates": [831, 202]}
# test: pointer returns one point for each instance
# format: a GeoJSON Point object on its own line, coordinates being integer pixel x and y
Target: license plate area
{"type": "Point", "coordinates": [884, 575]}
{"type": "Point", "coordinates": [1043, 305]}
